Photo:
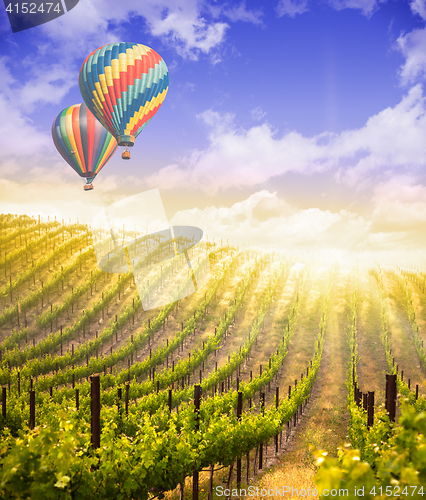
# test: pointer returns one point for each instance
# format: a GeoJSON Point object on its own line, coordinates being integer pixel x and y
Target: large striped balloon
{"type": "Point", "coordinates": [124, 85]}
{"type": "Point", "coordinates": [82, 141]}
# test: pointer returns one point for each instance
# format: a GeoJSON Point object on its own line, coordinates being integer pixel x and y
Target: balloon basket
{"type": "Point", "coordinates": [125, 140]}
{"type": "Point", "coordinates": [125, 155]}
{"type": "Point", "coordinates": [88, 187]}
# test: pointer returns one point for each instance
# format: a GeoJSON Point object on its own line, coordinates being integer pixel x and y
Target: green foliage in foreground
{"type": "Point", "coordinates": [141, 454]}
{"type": "Point", "coordinates": [395, 461]}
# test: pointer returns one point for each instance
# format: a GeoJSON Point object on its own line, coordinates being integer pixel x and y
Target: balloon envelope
{"type": "Point", "coordinates": [124, 85]}
{"type": "Point", "coordinates": [82, 141]}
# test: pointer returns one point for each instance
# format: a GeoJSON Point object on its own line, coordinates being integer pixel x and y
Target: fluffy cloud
{"type": "Point", "coordinates": [400, 205]}
{"type": "Point", "coordinates": [391, 139]}
{"type": "Point", "coordinates": [419, 7]}
{"type": "Point", "coordinates": [397, 224]}
{"type": "Point", "coordinates": [367, 7]}
{"type": "Point", "coordinates": [266, 220]}
{"type": "Point", "coordinates": [291, 7]}
{"type": "Point", "coordinates": [12, 144]}
{"type": "Point", "coordinates": [236, 158]}
{"type": "Point", "coordinates": [22, 141]}
{"type": "Point", "coordinates": [49, 84]}
{"type": "Point", "coordinates": [257, 113]}
{"type": "Point", "coordinates": [56, 192]}
{"type": "Point", "coordinates": [186, 25]}
{"type": "Point", "coordinates": [191, 27]}
{"type": "Point", "coordinates": [241, 13]}
{"type": "Point", "coordinates": [413, 47]}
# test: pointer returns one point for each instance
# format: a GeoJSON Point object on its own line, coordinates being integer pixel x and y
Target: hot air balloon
{"type": "Point", "coordinates": [82, 141]}
{"type": "Point", "coordinates": [124, 85]}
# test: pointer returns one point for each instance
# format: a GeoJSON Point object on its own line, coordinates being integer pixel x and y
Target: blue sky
{"type": "Point", "coordinates": [307, 116]}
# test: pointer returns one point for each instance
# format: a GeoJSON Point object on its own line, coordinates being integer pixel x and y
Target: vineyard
{"type": "Point", "coordinates": [314, 369]}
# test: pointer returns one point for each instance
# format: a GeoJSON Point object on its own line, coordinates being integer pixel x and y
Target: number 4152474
{"type": "Point", "coordinates": [396, 491]}
{"type": "Point", "coordinates": [32, 8]}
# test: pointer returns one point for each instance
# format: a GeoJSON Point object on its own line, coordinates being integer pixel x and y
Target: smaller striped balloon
{"type": "Point", "coordinates": [82, 141]}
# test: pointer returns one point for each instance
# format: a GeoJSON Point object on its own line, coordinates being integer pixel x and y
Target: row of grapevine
{"type": "Point", "coordinates": [33, 298]}
{"type": "Point", "coordinates": [40, 264]}
{"type": "Point", "coordinates": [151, 452]}
{"type": "Point", "coordinates": [411, 313]}
{"type": "Point", "coordinates": [386, 458]}
{"type": "Point", "coordinates": [418, 403]}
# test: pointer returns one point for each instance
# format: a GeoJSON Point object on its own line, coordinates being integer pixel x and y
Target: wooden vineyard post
{"type": "Point", "coordinates": [32, 409]}
{"type": "Point", "coordinates": [77, 399]}
{"type": "Point", "coordinates": [289, 421]}
{"type": "Point", "coordinates": [358, 395]}
{"type": "Point", "coordinates": [370, 409]}
{"type": "Point", "coordinates": [262, 408]}
{"type": "Point", "coordinates": [277, 399]}
{"type": "Point", "coordinates": [296, 412]}
{"type": "Point", "coordinates": [119, 396]}
{"type": "Point", "coordinates": [3, 402]}
{"type": "Point", "coordinates": [210, 492]}
{"type": "Point", "coordinates": [195, 474]}
{"type": "Point", "coordinates": [126, 401]}
{"type": "Point", "coordinates": [391, 396]}
{"type": "Point", "coordinates": [95, 407]}
{"type": "Point", "coordinates": [239, 412]}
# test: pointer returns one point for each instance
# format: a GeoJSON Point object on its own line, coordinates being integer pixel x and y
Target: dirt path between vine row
{"type": "Point", "coordinates": [372, 364]}
{"type": "Point", "coordinates": [324, 422]}
{"type": "Point", "coordinates": [403, 349]}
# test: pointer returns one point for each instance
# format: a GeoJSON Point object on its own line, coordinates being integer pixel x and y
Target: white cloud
{"type": "Point", "coordinates": [57, 191]}
{"type": "Point", "coordinates": [49, 84]}
{"type": "Point", "coordinates": [187, 31]}
{"type": "Point", "coordinates": [19, 137]}
{"type": "Point", "coordinates": [235, 158]}
{"type": "Point", "coordinates": [257, 113]}
{"type": "Point", "coordinates": [367, 7]}
{"type": "Point", "coordinates": [291, 7]}
{"type": "Point", "coordinates": [419, 7]}
{"type": "Point", "coordinates": [241, 13]}
{"type": "Point", "coordinates": [186, 25]}
{"type": "Point", "coordinates": [266, 220]}
{"type": "Point", "coordinates": [400, 205]}
{"type": "Point", "coordinates": [7, 81]}
{"type": "Point", "coordinates": [5, 28]}
{"type": "Point", "coordinates": [22, 141]}
{"type": "Point", "coordinates": [413, 47]}
{"type": "Point", "coordinates": [391, 139]}
{"type": "Point", "coordinates": [397, 223]}
{"type": "Point", "coordinates": [219, 123]}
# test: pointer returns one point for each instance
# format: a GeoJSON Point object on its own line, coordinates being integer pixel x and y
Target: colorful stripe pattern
{"type": "Point", "coordinates": [124, 85]}
{"type": "Point", "coordinates": [82, 141]}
